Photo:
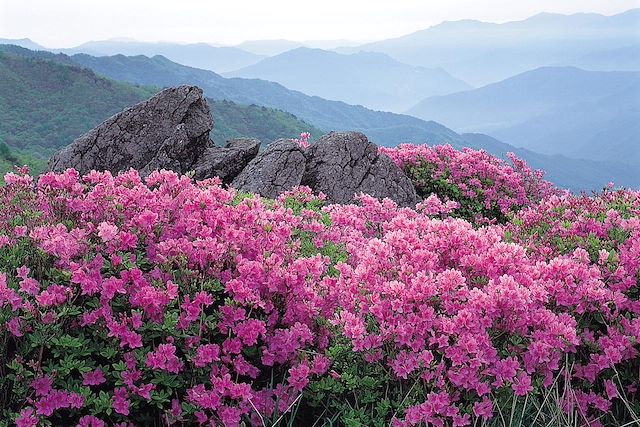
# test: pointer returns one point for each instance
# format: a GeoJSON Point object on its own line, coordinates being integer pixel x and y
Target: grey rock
{"type": "Point", "coordinates": [228, 161]}
{"type": "Point", "coordinates": [277, 169]}
{"type": "Point", "coordinates": [168, 131]}
{"type": "Point", "coordinates": [343, 164]}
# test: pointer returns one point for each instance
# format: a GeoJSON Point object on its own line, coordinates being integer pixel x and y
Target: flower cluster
{"type": "Point", "coordinates": [461, 314]}
{"type": "Point", "coordinates": [163, 294]}
{"type": "Point", "coordinates": [485, 186]}
{"type": "Point", "coordinates": [303, 141]}
{"type": "Point", "coordinates": [169, 302]}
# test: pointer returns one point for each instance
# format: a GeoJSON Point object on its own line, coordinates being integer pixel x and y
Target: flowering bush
{"type": "Point", "coordinates": [484, 186]}
{"type": "Point", "coordinates": [131, 302]}
{"type": "Point", "coordinates": [445, 323]}
{"type": "Point", "coordinates": [169, 302]}
{"type": "Point", "coordinates": [602, 231]}
{"type": "Point", "coordinates": [303, 141]}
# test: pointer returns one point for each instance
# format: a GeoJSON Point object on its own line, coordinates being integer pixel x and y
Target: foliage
{"type": "Point", "coordinates": [11, 157]}
{"type": "Point", "coordinates": [47, 102]}
{"type": "Point", "coordinates": [484, 186]}
{"type": "Point", "coordinates": [169, 302]}
{"type": "Point", "coordinates": [266, 124]}
{"type": "Point", "coordinates": [459, 323]}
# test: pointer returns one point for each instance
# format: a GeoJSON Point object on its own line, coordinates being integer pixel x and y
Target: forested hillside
{"type": "Point", "coordinates": [45, 104]}
{"type": "Point", "coordinates": [267, 124]}
{"type": "Point", "coordinates": [11, 156]}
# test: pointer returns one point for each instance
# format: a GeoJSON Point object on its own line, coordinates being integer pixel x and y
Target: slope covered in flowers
{"type": "Point", "coordinates": [169, 302]}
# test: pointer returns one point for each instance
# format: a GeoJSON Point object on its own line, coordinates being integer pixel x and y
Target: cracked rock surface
{"type": "Point", "coordinates": [343, 164]}
{"type": "Point", "coordinates": [168, 131]}
{"type": "Point", "coordinates": [277, 169]}
{"type": "Point", "coordinates": [226, 162]}
{"type": "Point", "coordinates": [171, 131]}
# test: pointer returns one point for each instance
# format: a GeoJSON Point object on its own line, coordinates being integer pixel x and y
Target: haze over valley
{"type": "Point", "coordinates": [562, 91]}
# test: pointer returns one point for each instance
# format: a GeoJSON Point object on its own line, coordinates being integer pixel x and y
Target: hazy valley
{"type": "Point", "coordinates": [563, 92]}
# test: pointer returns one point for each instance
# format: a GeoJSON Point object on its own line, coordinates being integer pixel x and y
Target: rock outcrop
{"type": "Point", "coordinates": [169, 131]}
{"type": "Point", "coordinates": [226, 162]}
{"type": "Point", "coordinates": [277, 169]}
{"type": "Point", "coordinates": [343, 164]}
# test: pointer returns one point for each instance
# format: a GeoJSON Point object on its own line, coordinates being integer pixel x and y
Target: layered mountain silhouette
{"type": "Point", "coordinates": [481, 53]}
{"type": "Point", "coordinates": [199, 55]}
{"type": "Point", "coordinates": [26, 43]}
{"type": "Point", "coordinates": [620, 59]}
{"type": "Point", "coordinates": [278, 46]}
{"type": "Point", "coordinates": [374, 80]}
{"type": "Point", "coordinates": [382, 127]}
{"type": "Point", "coordinates": [554, 110]}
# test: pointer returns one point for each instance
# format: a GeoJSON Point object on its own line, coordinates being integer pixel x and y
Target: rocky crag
{"type": "Point", "coordinates": [171, 131]}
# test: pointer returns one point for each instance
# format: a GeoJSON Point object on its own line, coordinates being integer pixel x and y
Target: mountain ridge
{"type": "Point", "coordinates": [199, 55]}
{"type": "Point", "coordinates": [551, 110]}
{"type": "Point", "coordinates": [372, 79]}
{"type": "Point", "coordinates": [462, 47]}
{"type": "Point", "coordinates": [382, 127]}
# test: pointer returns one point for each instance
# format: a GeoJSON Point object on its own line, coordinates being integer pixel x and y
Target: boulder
{"type": "Point", "coordinates": [168, 131]}
{"type": "Point", "coordinates": [277, 169]}
{"type": "Point", "coordinates": [343, 164]}
{"type": "Point", "coordinates": [228, 161]}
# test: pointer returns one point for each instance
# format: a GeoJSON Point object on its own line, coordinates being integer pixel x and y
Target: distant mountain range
{"type": "Point", "coordinates": [554, 110]}
{"type": "Point", "coordinates": [373, 80]}
{"type": "Point", "coordinates": [566, 172]}
{"type": "Point", "coordinates": [199, 55]}
{"type": "Point", "coordinates": [26, 43]}
{"type": "Point", "coordinates": [481, 53]}
{"type": "Point", "coordinates": [238, 120]}
{"type": "Point", "coordinates": [620, 59]}
{"type": "Point", "coordinates": [382, 127]}
{"type": "Point", "coordinates": [276, 47]}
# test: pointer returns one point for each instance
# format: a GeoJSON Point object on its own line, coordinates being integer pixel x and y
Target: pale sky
{"type": "Point", "coordinates": [67, 23]}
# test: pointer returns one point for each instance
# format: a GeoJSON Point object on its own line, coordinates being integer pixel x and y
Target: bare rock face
{"type": "Point", "coordinates": [343, 164]}
{"type": "Point", "coordinates": [226, 162]}
{"type": "Point", "coordinates": [171, 131]}
{"type": "Point", "coordinates": [168, 131]}
{"type": "Point", "coordinates": [277, 169]}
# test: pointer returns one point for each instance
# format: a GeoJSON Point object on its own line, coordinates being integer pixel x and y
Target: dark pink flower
{"type": "Point", "coordinates": [95, 377]}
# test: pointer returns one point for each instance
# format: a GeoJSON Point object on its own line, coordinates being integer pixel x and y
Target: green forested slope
{"type": "Point", "coordinates": [46, 102]}
{"type": "Point", "coordinates": [267, 124]}
{"type": "Point", "coordinates": [45, 105]}
{"type": "Point", "coordinates": [10, 157]}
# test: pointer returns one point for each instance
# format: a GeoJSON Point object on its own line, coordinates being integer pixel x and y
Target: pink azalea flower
{"type": "Point", "coordinates": [120, 402]}
{"type": "Point", "coordinates": [107, 232]}
{"type": "Point", "coordinates": [27, 418]}
{"type": "Point", "coordinates": [95, 377]}
{"type": "Point", "coordinates": [42, 385]}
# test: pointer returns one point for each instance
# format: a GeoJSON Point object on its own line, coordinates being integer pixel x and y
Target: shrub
{"type": "Point", "coordinates": [602, 231]}
{"type": "Point", "coordinates": [153, 302]}
{"type": "Point", "coordinates": [165, 301]}
{"type": "Point", "coordinates": [484, 186]}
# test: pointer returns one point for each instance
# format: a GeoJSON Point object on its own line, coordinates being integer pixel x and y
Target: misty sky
{"type": "Point", "coordinates": [66, 23]}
